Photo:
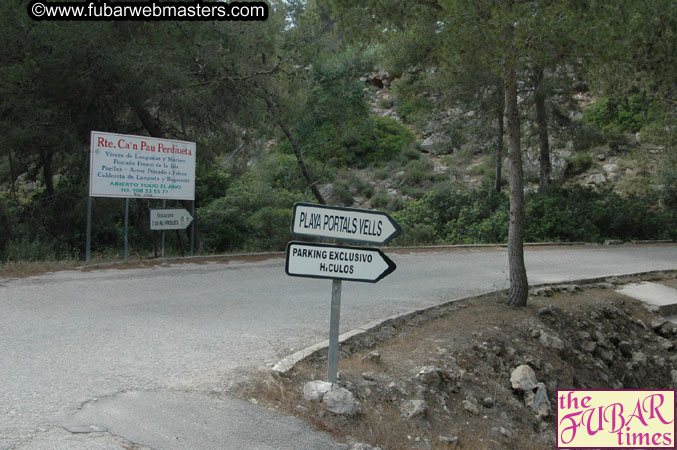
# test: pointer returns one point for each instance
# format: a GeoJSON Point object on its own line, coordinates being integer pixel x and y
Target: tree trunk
{"type": "Point", "coordinates": [295, 146]}
{"type": "Point", "coordinates": [46, 158]}
{"type": "Point", "coordinates": [12, 174]}
{"type": "Point", "coordinates": [304, 169]}
{"type": "Point", "coordinates": [542, 123]}
{"type": "Point", "coordinates": [519, 286]}
{"type": "Point", "coordinates": [500, 113]}
{"type": "Point", "coordinates": [5, 230]}
{"type": "Point", "coordinates": [149, 123]}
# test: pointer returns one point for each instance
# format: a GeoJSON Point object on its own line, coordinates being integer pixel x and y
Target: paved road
{"type": "Point", "coordinates": [107, 358]}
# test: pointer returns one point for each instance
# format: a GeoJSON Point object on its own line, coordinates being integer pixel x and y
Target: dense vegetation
{"type": "Point", "coordinates": [284, 110]}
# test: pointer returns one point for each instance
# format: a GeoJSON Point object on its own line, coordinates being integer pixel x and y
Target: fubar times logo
{"type": "Point", "coordinates": [616, 418]}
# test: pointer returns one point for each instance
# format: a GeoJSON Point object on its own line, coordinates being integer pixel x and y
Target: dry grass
{"type": "Point", "coordinates": [23, 269]}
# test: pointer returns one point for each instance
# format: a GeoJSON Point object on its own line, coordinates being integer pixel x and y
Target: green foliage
{"type": "Point", "coordinates": [383, 139]}
{"type": "Point", "coordinates": [211, 183]}
{"type": "Point", "coordinates": [418, 172]}
{"type": "Point", "coordinates": [414, 110]}
{"type": "Point", "coordinates": [386, 103]}
{"type": "Point", "coordinates": [579, 163]}
{"type": "Point", "coordinates": [379, 201]}
{"type": "Point", "coordinates": [270, 229]}
{"type": "Point", "coordinates": [360, 186]}
{"type": "Point", "coordinates": [412, 154]}
{"type": "Point", "coordinates": [458, 216]}
{"type": "Point", "coordinates": [341, 194]}
{"type": "Point", "coordinates": [251, 216]}
{"type": "Point", "coordinates": [618, 113]}
{"type": "Point", "coordinates": [585, 214]}
{"type": "Point", "coordinates": [668, 180]}
{"type": "Point", "coordinates": [584, 136]}
{"type": "Point", "coordinates": [578, 214]}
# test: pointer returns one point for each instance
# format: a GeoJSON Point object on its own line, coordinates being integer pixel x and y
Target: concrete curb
{"type": "Point", "coordinates": [288, 363]}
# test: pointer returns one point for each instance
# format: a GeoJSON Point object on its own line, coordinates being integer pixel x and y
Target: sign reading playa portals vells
{"type": "Point", "coordinates": [141, 167]}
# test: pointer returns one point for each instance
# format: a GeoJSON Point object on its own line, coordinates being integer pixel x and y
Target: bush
{"type": "Point", "coordinates": [579, 163]}
{"type": "Point", "coordinates": [585, 137]}
{"type": "Point", "coordinates": [379, 201]}
{"type": "Point", "coordinates": [623, 114]}
{"type": "Point", "coordinates": [269, 229]}
{"type": "Point", "coordinates": [418, 172]}
{"type": "Point", "coordinates": [412, 154]}
{"type": "Point", "coordinates": [578, 214]}
{"type": "Point", "coordinates": [371, 141]}
{"type": "Point", "coordinates": [586, 214]}
{"type": "Point", "coordinates": [414, 110]}
{"type": "Point", "coordinates": [251, 216]}
{"type": "Point", "coordinates": [341, 194]}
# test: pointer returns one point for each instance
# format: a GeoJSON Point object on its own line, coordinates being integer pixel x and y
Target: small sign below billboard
{"type": "Point", "coordinates": [169, 219]}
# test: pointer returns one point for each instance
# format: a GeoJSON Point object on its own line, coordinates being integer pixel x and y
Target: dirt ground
{"type": "Point", "coordinates": [608, 343]}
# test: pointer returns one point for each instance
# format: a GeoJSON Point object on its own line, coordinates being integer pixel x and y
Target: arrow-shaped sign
{"type": "Point", "coordinates": [169, 219]}
{"type": "Point", "coordinates": [346, 224]}
{"type": "Point", "coordinates": [337, 262]}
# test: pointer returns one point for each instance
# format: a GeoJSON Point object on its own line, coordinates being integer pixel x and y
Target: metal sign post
{"type": "Point", "coordinates": [162, 251]}
{"type": "Point", "coordinates": [339, 262]}
{"type": "Point", "coordinates": [88, 244]}
{"type": "Point", "coordinates": [192, 230]}
{"type": "Point", "coordinates": [332, 357]}
{"type": "Point", "coordinates": [126, 238]}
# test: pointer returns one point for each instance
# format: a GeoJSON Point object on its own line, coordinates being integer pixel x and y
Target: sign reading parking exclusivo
{"type": "Point", "coordinates": [128, 166]}
{"type": "Point", "coordinates": [337, 262]}
{"type": "Point", "coordinates": [345, 224]}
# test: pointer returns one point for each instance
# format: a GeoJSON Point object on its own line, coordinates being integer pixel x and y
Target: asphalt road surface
{"type": "Point", "coordinates": [143, 358]}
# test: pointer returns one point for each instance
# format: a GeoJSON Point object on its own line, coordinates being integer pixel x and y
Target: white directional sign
{"type": "Point", "coordinates": [337, 262]}
{"type": "Point", "coordinates": [346, 224]}
{"type": "Point", "coordinates": [141, 167]}
{"type": "Point", "coordinates": [169, 219]}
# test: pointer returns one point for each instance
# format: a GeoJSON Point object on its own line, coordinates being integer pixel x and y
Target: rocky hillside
{"type": "Point", "coordinates": [453, 145]}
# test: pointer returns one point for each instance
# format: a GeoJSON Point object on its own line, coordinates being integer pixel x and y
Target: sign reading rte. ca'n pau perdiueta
{"type": "Point", "coordinates": [141, 167]}
{"type": "Point", "coordinates": [345, 224]}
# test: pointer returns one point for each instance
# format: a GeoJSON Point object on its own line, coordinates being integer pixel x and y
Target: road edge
{"type": "Point", "coordinates": [287, 363]}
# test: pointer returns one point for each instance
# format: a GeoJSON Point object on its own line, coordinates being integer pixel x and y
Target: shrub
{"type": "Point", "coordinates": [368, 190]}
{"type": "Point", "coordinates": [412, 154]}
{"type": "Point", "coordinates": [414, 110]}
{"type": "Point", "coordinates": [386, 103]}
{"type": "Point", "coordinates": [418, 172]}
{"type": "Point", "coordinates": [578, 214]}
{"type": "Point", "coordinates": [375, 140]}
{"type": "Point", "coordinates": [586, 214]}
{"type": "Point", "coordinates": [251, 216]}
{"type": "Point", "coordinates": [585, 136]}
{"type": "Point", "coordinates": [616, 113]}
{"type": "Point", "coordinates": [269, 229]}
{"type": "Point", "coordinates": [341, 193]}
{"type": "Point", "coordinates": [579, 163]}
{"type": "Point", "coordinates": [379, 201]}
